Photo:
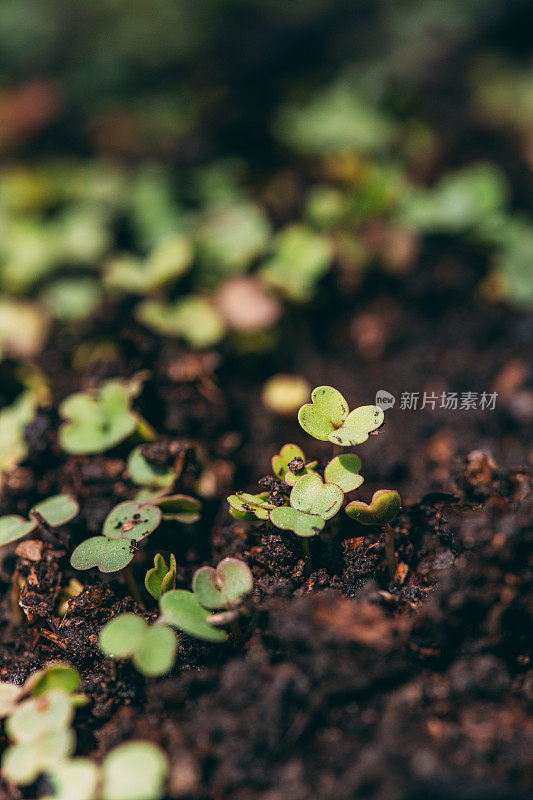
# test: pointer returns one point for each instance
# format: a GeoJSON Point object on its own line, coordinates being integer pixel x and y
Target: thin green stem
{"type": "Point", "coordinates": [132, 586]}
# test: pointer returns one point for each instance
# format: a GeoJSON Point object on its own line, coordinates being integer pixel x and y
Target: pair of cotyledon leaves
{"type": "Point", "coordinates": [127, 524]}
{"type": "Point", "coordinates": [54, 511]}
{"type": "Point", "coordinates": [328, 418]}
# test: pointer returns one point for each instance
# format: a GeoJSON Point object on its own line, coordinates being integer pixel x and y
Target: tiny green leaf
{"type": "Point", "coordinates": [358, 425]}
{"type": "Point", "coordinates": [134, 771]}
{"type": "Point", "coordinates": [131, 520]}
{"type": "Point", "coordinates": [56, 675]}
{"type": "Point", "coordinates": [161, 577]}
{"type": "Point", "coordinates": [384, 506]}
{"type": "Point", "coordinates": [23, 763]}
{"type": "Point", "coordinates": [291, 454]}
{"type": "Point", "coordinates": [75, 779]}
{"type": "Point", "coordinates": [109, 555]}
{"type": "Point", "coordinates": [57, 510]}
{"type": "Point", "coordinates": [343, 470]}
{"type": "Point", "coordinates": [311, 495]}
{"type": "Point", "coordinates": [250, 503]}
{"type": "Point", "coordinates": [183, 610]}
{"type": "Point", "coordinates": [324, 414]}
{"type": "Point", "coordinates": [13, 527]}
{"type": "Point", "coordinates": [156, 652]}
{"type": "Point", "coordinates": [290, 519]}
{"type": "Point", "coordinates": [121, 636]}
{"type": "Point", "coordinates": [179, 507]}
{"type": "Point", "coordinates": [223, 587]}
{"type": "Point", "coordinates": [38, 716]}
{"type": "Point", "coordinates": [145, 474]}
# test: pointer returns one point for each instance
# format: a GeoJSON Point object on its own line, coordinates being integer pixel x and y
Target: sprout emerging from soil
{"type": "Point", "coordinates": [162, 577]}
{"type": "Point", "coordinates": [98, 420]}
{"type": "Point", "coordinates": [126, 525]}
{"type": "Point", "coordinates": [328, 418]}
{"type": "Point", "coordinates": [40, 734]}
{"type": "Point", "coordinates": [314, 500]}
{"type": "Point", "coordinates": [382, 509]}
{"type": "Point", "coordinates": [151, 647]}
{"type": "Point", "coordinates": [222, 589]}
{"type": "Point", "coordinates": [145, 474]}
{"type": "Point", "coordinates": [50, 513]}
{"type": "Point", "coordinates": [56, 675]}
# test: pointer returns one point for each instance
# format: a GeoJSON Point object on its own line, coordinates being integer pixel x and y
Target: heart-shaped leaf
{"type": "Point", "coordinates": [13, 527]}
{"type": "Point", "coordinates": [134, 771]}
{"type": "Point", "coordinates": [358, 425]}
{"type": "Point", "coordinates": [384, 506]}
{"type": "Point", "coordinates": [145, 474]}
{"type": "Point", "coordinates": [183, 610]}
{"type": "Point", "coordinates": [57, 510]}
{"type": "Point", "coordinates": [109, 555]}
{"type": "Point", "coordinates": [131, 520]}
{"type": "Point", "coordinates": [56, 675]}
{"type": "Point", "coordinates": [223, 587]}
{"type": "Point", "coordinates": [289, 464]}
{"type": "Point", "coordinates": [311, 495]}
{"type": "Point", "coordinates": [99, 420]}
{"type": "Point", "coordinates": [162, 577]}
{"type": "Point", "coordinates": [290, 519]}
{"type": "Point", "coordinates": [251, 504]}
{"type": "Point", "coordinates": [75, 779]}
{"type": "Point", "coordinates": [179, 507]}
{"type": "Point", "coordinates": [23, 763]}
{"type": "Point", "coordinates": [344, 472]}
{"type": "Point", "coordinates": [152, 647]}
{"type": "Point", "coordinates": [324, 414]}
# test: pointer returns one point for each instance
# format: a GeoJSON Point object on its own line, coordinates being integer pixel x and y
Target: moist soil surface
{"type": "Point", "coordinates": [345, 683]}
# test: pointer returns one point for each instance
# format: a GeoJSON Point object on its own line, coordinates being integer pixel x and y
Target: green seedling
{"type": "Point", "coordinates": [382, 509]}
{"type": "Point", "coordinates": [250, 506]}
{"type": "Point", "coordinates": [328, 418]}
{"type": "Point", "coordinates": [300, 258]}
{"type": "Point", "coordinates": [13, 421]}
{"type": "Point", "coordinates": [99, 420]}
{"type": "Point", "coordinates": [132, 771]}
{"type": "Point", "coordinates": [55, 676]}
{"type": "Point", "coordinates": [167, 262]}
{"type": "Point", "coordinates": [41, 736]}
{"type": "Point", "coordinates": [193, 318]}
{"type": "Point", "coordinates": [223, 587]}
{"type": "Point", "coordinates": [162, 577]}
{"type": "Point", "coordinates": [343, 470]}
{"type": "Point", "coordinates": [290, 464]}
{"type": "Point", "coordinates": [151, 647]}
{"type": "Point", "coordinates": [145, 474]}
{"type": "Point", "coordinates": [126, 525]}
{"type": "Point", "coordinates": [179, 507]}
{"type": "Point", "coordinates": [50, 513]}
{"type": "Point", "coordinates": [183, 610]}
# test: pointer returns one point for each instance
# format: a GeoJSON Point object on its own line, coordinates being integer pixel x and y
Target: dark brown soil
{"type": "Point", "coordinates": [346, 685]}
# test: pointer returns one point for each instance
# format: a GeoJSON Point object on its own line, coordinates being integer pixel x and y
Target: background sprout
{"type": "Point", "coordinates": [179, 507]}
{"type": "Point", "coordinates": [168, 261]}
{"type": "Point", "coordinates": [300, 258]}
{"type": "Point", "coordinates": [134, 771]}
{"type": "Point", "coordinates": [246, 307]}
{"type": "Point", "coordinates": [41, 735]}
{"type": "Point", "coordinates": [151, 647]}
{"type": "Point", "coordinates": [56, 675]}
{"type": "Point", "coordinates": [289, 464]}
{"type": "Point", "coordinates": [383, 508]}
{"type": "Point", "coordinates": [192, 318]}
{"type": "Point", "coordinates": [283, 394]}
{"type": "Point", "coordinates": [223, 587]}
{"type": "Point", "coordinates": [343, 470]}
{"type": "Point", "coordinates": [52, 512]}
{"type": "Point", "coordinates": [75, 779]}
{"type": "Point", "coordinates": [10, 694]}
{"type": "Point", "coordinates": [161, 577]}
{"type": "Point", "coordinates": [251, 506]}
{"type": "Point", "coordinates": [13, 421]}
{"type": "Point", "coordinates": [327, 418]}
{"type": "Point", "coordinates": [98, 420]}
{"type": "Point", "coordinates": [184, 611]}
{"type": "Point", "coordinates": [127, 524]}
{"type": "Point", "coordinates": [145, 474]}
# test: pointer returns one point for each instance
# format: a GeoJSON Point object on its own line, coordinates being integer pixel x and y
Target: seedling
{"type": "Point", "coordinates": [290, 464]}
{"type": "Point", "coordinates": [151, 647]}
{"type": "Point", "coordinates": [162, 577]}
{"type": "Point", "coordinates": [145, 474]}
{"type": "Point", "coordinates": [213, 589]}
{"type": "Point", "coordinates": [41, 735]}
{"type": "Point", "coordinates": [250, 506]}
{"type": "Point", "coordinates": [382, 509]}
{"type": "Point", "coordinates": [192, 318]}
{"type": "Point", "coordinates": [178, 507]}
{"type": "Point", "coordinates": [343, 471]}
{"type": "Point", "coordinates": [328, 418]}
{"type": "Point", "coordinates": [50, 513]}
{"type": "Point", "coordinates": [55, 676]}
{"type": "Point", "coordinates": [99, 420]}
